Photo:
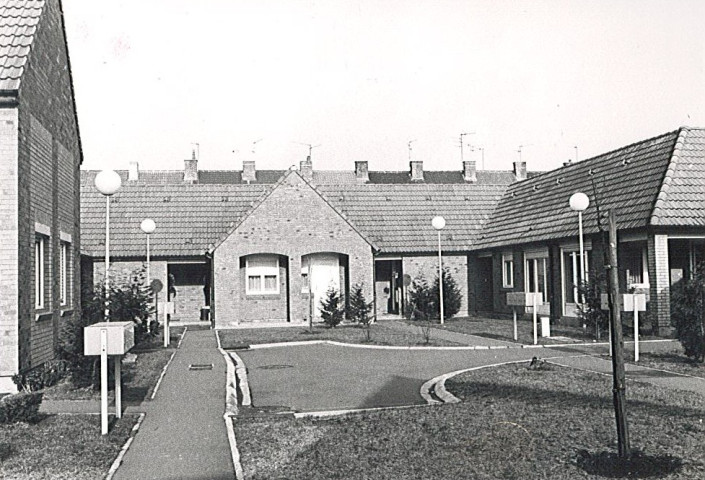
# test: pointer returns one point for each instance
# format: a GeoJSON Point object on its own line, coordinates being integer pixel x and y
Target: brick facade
{"type": "Point", "coordinates": [45, 170]}
{"type": "Point", "coordinates": [293, 221]}
{"type": "Point", "coordinates": [427, 265]}
{"type": "Point", "coordinates": [660, 284]}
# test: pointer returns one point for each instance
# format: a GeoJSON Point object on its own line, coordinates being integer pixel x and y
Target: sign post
{"type": "Point", "coordinates": [104, 381]}
{"type": "Point", "coordinates": [521, 299]}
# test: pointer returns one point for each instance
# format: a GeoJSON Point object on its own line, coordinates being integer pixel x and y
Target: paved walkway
{"type": "Point", "coordinates": [183, 435]}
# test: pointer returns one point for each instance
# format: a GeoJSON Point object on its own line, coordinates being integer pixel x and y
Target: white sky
{"type": "Point", "coordinates": [363, 77]}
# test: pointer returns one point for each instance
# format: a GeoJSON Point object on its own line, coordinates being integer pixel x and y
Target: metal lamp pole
{"type": "Point", "coordinates": [107, 182]}
{"type": "Point", "coordinates": [439, 224]}
{"type": "Point", "coordinates": [579, 202]}
{"type": "Point", "coordinates": [148, 226]}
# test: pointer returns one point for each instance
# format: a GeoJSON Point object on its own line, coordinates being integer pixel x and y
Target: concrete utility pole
{"type": "Point", "coordinates": [619, 383]}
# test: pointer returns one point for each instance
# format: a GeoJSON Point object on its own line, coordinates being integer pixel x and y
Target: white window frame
{"type": "Point", "coordinates": [644, 271]}
{"type": "Point", "coordinates": [64, 270]}
{"type": "Point", "coordinates": [508, 279]}
{"type": "Point", "coordinates": [536, 256]}
{"type": "Point", "coordinates": [40, 242]}
{"type": "Point", "coordinates": [261, 271]}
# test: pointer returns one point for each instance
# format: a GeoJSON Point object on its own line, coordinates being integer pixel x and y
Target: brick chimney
{"type": "Point", "coordinates": [248, 171]}
{"type": "Point", "coordinates": [133, 173]}
{"type": "Point", "coordinates": [470, 171]}
{"type": "Point", "coordinates": [416, 170]}
{"type": "Point", "coordinates": [191, 169]}
{"type": "Point", "coordinates": [361, 171]}
{"type": "Point", "coordinates": [306, 169]}
{"type": "Point", "coordinates": [519, 170]}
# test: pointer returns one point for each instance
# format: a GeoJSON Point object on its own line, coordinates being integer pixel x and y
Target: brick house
{"type": "Point", "coordinates": [656, 189]}
{"type": "Point", "coordinates": [40, 156]}
{"type": "Point", "coordinates": [248, 244]}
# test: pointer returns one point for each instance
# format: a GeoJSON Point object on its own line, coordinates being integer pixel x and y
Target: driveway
{"type": "Point", "coordinates": [321, 377]}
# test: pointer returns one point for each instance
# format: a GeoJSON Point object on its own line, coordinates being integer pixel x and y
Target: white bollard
{"type": "Point", "coordinates": [516, 331]}
{"type": "Point", "coordinates": [104, 381]}
{"type": "Point", "coordinates": [536, 337]}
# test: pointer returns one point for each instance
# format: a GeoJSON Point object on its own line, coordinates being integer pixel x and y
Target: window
{"type": "Point", "coordinates": [262, 275]}
{"type": "Point", "coordinates": [572, 273]}
{"type": "Point", "coordinates": [535, 275]}
{"type": "Point", "coordinates": [65, 268]}
{"type": "Point", "coordinates": [636, 271]}
{"type": "Point", "coordinates": [507, 270]}
{"type": "Point", "coordinates": [39, 270]}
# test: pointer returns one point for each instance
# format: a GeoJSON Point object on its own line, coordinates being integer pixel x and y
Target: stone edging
{"type": "Point", "coordinates": [125, 447]}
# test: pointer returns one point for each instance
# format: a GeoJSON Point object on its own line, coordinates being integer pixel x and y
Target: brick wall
{"type": "Point", "coordinates": [659, 311]}
{"type": "Point", "coordinates": [292, 221]}
{"type": "Point", "coordinates": [427, 265]}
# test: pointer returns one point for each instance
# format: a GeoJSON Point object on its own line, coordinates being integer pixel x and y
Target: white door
{"type": "Point", "coordinates": [323, 273]}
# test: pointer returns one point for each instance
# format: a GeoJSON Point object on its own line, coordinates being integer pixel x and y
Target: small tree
{"type": "Point", "coordinates": [359, 309]}
{"type": "Point", "coordinates": [422, 300]}
{"type": "Point", "coordinates": [590, 312]}
{"type": "Point", "coordinates": [332, 308]}
{"type": "Point", "coordinates": [452, 297]}
{"type": "Point", "coordinates": [687, 302]}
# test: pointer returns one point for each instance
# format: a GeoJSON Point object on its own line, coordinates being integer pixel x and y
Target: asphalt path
{"type": "Point", "coordinates": [324, 377]}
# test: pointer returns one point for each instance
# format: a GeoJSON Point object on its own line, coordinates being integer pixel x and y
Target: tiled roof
{"type": "Point", "coordinates": [681, 201]}
{"type": "Point", "coordinates": [627, 180]}
{"type": "Point", "coordinates": [397, 218]}
{"type": "Point", "coordinates": [189, 218]}
{"type": "Point", "coordinates": [18, 23]}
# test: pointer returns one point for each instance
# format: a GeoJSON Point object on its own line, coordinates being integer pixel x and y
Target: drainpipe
{"type": "Point", "coordinates": [374, 286]}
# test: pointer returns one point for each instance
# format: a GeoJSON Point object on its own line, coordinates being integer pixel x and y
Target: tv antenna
{"type": "Point", "coordinates": [408, 145]}
{"type": "Point", "coordinates": [254, 144]}
{"type": "Point", "coordinates": [310, 146]}
{"type": "Point", "coordinates": [576, 153]}
{"type": "Point", "coordinates": [520, 147]}
{"type": "Point", "coordinates": [462, 158]}
{"type": "Point", "coordinates": [196, 150]}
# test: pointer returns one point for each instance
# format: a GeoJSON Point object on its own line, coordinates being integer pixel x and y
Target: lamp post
{"type": "Point", "coordinates": [107, 182]}
{"type": "Point", "coordinates": [148, 226]}
{"type": "Point", "coordinates": [439, 224]}
{"type": "Point", "coordinates": [579, 202]}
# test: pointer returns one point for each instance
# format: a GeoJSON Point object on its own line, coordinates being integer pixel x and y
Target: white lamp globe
{"type": "Point", "coordinates": [579, 202]}
{"type": "Point", "coordinates": [148, 226]}
{"type": "Point", "coordinates": [107, 182]}
{"type": "Point", "coordinates": [438, 223]}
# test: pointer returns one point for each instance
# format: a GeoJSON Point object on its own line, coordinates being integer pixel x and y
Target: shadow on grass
{"type": "Point", "coordinates": [639, 465]}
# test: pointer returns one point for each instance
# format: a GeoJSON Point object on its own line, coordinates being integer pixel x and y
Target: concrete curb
{"type": "Point", "coordinates": [125, 447]}
{"type": "Point", "coordinates": [336, 413]}
{"type": "Point", "coordinates": [231, 408]}
{"type": "Point", "coordinates": [234, 452]}
{"type": "Point", "coordinates": [242, 381]}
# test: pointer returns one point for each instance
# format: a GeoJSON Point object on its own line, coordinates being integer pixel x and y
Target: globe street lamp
{"type": "Point", "coordinates": [107, 182]}
{"type": "Point", "coordinates": [148, 226]}
{"type": "Point", "coordinates": [439, 224]}
{"type": "Point", "coordinates": [579, 202]}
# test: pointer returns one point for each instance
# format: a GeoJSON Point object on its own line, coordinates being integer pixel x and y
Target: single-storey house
{"type": "Point", "coordinates": [40, 157]}
{"type": "Point", "coordinates": [248, 245]}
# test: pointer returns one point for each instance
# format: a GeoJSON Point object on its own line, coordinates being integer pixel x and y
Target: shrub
{"type": "Point", "coordinates": [422, 300]}
{"type": "Point", "coordinates": [21, 407]}
{"type": "Point", "coordinates": [44, 376]}
{"type": "Point", "coordinates": [332, 308]}
{"type": "Point", "coordinates": [359, 309]}
{"type": "Point", "coordinates": [452, 297]}
{"type": "Point", "coordinates": [590, 312]}
{"type": "Point", "coordinates": [687, 314]}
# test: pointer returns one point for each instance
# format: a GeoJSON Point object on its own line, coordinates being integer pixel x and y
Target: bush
{"type": "Point", "coordinates": [422, 300]}
{"type": "Point", "coordinates": [332, 308]}
{"type": "Point", "coordinates": [452, 297]}
{"type": "Point", "coordinates": [359, 309]}
{"type": "Point", "coordinates": [590, 312]}
{"type": "Point", "coordinates": [687, 314]}
{"type": "Point", "coordinates": [44, 376]}
{"type": "Point", "coordinates": [21, 407]}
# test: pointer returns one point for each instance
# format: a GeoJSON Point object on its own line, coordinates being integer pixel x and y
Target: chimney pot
{"type": "Point", "coordinates": [133, 173]}
{"type": "Point", "coordinates": [520, 170]}
{"type": "Point", "coordinates": [470, 171]}
{"type": "Point", "coordinates": [361, 171]}
{"type": "Point", "coordinates": [191, 169]}
{"type": "Point", "coordinates": [306, 169]}
{"type": "Point", "coordinates": [249, 173]}
{"type": "Point", "coordinates": [416, 170]}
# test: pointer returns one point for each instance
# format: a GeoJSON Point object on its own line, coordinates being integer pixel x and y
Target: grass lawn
{"type": "Point", "coordinates": [61, 447]}
{"type": "Point", "coordinates": [380, 334]}
{"type": "Point", "coordinates": [503, 329]}
{"type": "Point", "coordinates": [139, 378]}
{"type": "Point", "coordinates": [673, 361]}
{"type": "Point", "coordinates": [512, 423]}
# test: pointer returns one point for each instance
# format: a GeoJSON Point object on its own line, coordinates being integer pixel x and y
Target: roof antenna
{"type": "Point", "coordinates": [310, 147]}
{"type": "Point", "coordinates": [195, 152]}
{"type": "Point", "coordinates": [409, 147]}
{"type": "Point", "coordinates": [462, 158]}
{"type": "Point", "coordinates": [520, 147]}
{"type": "Point", "coordinates": [576, 153]}
{"type": "Point", "coordinates": [254, 144]}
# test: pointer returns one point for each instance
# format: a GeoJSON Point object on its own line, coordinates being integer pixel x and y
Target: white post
{"type": "Point", "coordinates": [582, 252]}
{"type": "Point", "coordinates": [104, 381]}
{"type": "Point", "coordinates": [536, 338]}
{"type": "Point", "coordinates": [107, 258]}
{"type": "Point", "coordinates": [118, 387]}
{"type": "Point", "coordinates": [149, 276]}
{"type": "Point", "coordinates": [440, 275]}
{"type": "Point", "coordinates": [166, 324]}
{"type": "Point", "coordinates": [636, 330]}
{"type": "Point", "coordinates": [516, 333]}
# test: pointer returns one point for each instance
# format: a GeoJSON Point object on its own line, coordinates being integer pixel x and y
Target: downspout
{"type": "Point", "coordinates": [374, 286]}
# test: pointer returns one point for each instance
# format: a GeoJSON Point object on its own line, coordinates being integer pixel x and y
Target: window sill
{"type": "Point", "coordinates": [39, 317]}
{"type": "Point", "coordinates": [67, 312]}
